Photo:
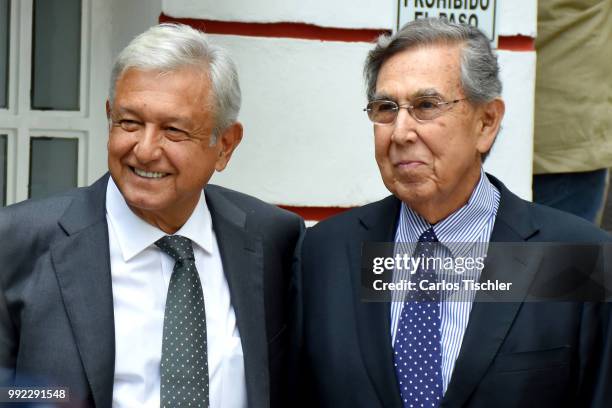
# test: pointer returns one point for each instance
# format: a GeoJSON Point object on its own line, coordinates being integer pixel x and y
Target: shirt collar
{"type": "Point", "coordinates": [134, 235]}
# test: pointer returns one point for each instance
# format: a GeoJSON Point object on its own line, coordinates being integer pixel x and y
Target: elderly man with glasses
{"type": "Point", "coordinates": [434, 99]}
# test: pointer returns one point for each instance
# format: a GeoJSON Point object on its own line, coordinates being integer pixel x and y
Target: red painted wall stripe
{"type": "Point", "coordinates": [278, 30]}
{"type": "Point", "coordinates": [314, 213]}
{"type": "Point", "coordinates": [516, 43]}
{"type": "Point", "coordinates": [313, 32]}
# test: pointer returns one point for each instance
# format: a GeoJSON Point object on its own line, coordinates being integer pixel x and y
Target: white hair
{"type": "Point", "coordinates": [169, 47]}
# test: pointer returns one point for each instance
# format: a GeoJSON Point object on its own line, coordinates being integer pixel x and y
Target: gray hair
{"type": "Point", "coordinates": [479, 68]}
{"type": "Point", "coordinates": [169, 47]}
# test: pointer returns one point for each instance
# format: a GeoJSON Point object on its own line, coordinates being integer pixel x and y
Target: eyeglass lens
{"type": "Point", "coordinates": [424, 108]}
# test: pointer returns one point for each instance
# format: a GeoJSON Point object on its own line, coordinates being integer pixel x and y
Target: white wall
{"type": "Point", "coordinates": [513, 16]}
{"type": "Point", "coordinates": [307, 141]}
{"type": "Point", "coordinates": [517, 17]}
{"type": "Point", "coordinates": [512, 155]}
{"type": "Point", "coordinates": [325, 13]}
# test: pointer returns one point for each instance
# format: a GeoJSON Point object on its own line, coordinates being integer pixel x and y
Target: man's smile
{"type": "Point", "coordinates": [148, 174]}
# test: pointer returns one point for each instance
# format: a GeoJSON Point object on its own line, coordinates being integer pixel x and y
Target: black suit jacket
{"type": "Point", "coordinates": [514, 354]}
{"type": "Point", "coordinates": [56, 304]}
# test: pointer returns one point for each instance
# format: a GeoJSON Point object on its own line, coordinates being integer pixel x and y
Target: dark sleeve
{"type": "Point", "coordinates": [8, 343]}
{"type": "Point", "coordinates": [26, 230]}
{"type": "Point", "coordinates": [8, 337]}
{"type": "Point", "coordinates": [300, 389]}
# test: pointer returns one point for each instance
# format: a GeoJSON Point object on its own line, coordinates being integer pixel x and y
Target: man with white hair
{"type": "Point", "coordinates": [150, 287]}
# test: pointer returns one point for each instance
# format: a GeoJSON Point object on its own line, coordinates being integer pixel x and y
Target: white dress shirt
{"type": "Point", "coordinates": [140, 277]}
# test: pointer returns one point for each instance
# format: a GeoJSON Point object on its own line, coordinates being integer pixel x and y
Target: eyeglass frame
{"type": "Point", "coordinates": [410, 108]}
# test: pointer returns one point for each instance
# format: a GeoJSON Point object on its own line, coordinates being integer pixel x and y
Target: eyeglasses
{"type": "Point", "coordinates": [422, 108]}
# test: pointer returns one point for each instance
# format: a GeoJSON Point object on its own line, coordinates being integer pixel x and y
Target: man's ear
{"type": "Point", "coordinates": [108, 109]}
{"type": "Point", "coordinates": [227, 142]}
{"type": "Point", "coordinates": [491, 116]}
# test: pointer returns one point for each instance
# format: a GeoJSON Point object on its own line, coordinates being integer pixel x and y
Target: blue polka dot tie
{"type": "Point", "coordinates": [416, 352]}
{"type": "Point", "coordinates": [184, 358]}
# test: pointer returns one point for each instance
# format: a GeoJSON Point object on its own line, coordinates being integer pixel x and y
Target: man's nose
{"type": "Point", "coordinates": [149, 144]}
{"type": "Point", "coordinates": [404, 128]}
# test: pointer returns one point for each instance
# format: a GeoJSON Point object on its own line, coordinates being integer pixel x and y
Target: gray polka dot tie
{"type": "Point", "coordinates": [417, 351]}
{"type": "Point", "coordinates": [184, 358]}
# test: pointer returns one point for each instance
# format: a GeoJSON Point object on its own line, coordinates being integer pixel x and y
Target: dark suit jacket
{"type": "Point", "coordinates": [56, 304]}
{"type": "Point", "coordinates": [514, 354]}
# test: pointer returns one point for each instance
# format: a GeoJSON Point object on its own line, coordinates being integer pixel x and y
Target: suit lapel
{"type": "Point", "coordinates": [490, 320]}
{"type": "Point", "coordinates": [242, 258]}
{"type": "Point", "coordinates": [373, 326]}
{"type": "Point", "coordinates": [82, 266]}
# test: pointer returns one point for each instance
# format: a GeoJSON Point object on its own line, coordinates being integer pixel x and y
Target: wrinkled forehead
{"type": "Point", "coordinates": [198, 73]}
{"type": "Point", "coordinates": [185, 82]}
{"type": "Point", "coordinates": [194, 72]}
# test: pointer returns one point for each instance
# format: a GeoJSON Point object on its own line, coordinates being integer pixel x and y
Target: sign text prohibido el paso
{"type": "Point", "coordinates": [478, 13]}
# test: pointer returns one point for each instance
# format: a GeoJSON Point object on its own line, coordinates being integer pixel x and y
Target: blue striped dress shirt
{"type": "Point", "coordinates": [464, 233]}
